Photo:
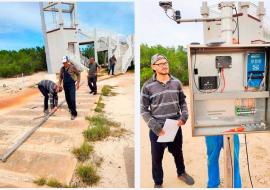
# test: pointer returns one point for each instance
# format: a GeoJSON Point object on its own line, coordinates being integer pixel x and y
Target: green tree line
{"type": "Point", "coordinates": [26, 61]}
{"type": "Point", "coordinates": [177, 61]}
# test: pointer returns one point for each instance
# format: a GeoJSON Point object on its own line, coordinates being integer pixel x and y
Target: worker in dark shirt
{"type": "Point", "coordinates": [70, 76]}
{"type": "Point", "coordinates": [49, 90]}
{"type": "Point", "coordinates": [94, 68]}
{"type": "Point", "coordinates": [112, 62]}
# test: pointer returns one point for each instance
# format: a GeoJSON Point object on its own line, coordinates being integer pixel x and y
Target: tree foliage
{"type": "Point", "coordinates": [177, 61]}
{"type": "Point", "coordinates": [88, 51]}
{"type": "Point", "coordinates": [26, 61]}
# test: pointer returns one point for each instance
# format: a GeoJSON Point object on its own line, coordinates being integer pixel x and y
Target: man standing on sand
{"type": "Point", "coordinates": [94, 68]}
{"type": "Point", "coordinates": [162, 98]}
{"type": "Point", "coordinates": [71, 78]}
{"type": "Point", "coordinates": [112, 62]}
{"type": "Point", "coordinates": [49, 90]}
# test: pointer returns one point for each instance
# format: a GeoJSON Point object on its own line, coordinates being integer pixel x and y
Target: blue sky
{"type": "Point", "coordinates": [20, 24]}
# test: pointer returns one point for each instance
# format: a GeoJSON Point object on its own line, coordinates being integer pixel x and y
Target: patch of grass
{"type": "Point", "coordinates": [99, 127]}
{"type": "Point", "coordinates": [96, 133]}
{"type": "Point", "coordinates": [82, 153]}
{"type": "Point", "coordinates": [114, 124]}
{"type": "Point", "coordinates": [54, 183]}
{"type": "Point", "coordinates": [118, 132]}
{"type": "Point", "coordinates": [40, 181]}
{"type": "Point", "coordinates": [88, 174]}
{"type": "Point", "coordinates": [107, 91]}
{"type": "Point", "coordinates": [100, 106]}
{"type": "Point", "coordinates": [102, 120]}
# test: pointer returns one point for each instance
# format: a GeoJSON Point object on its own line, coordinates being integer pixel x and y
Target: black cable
{"type": "Point", "coordinates": [235, 26]}
{"type": "Point", "coordinates": [195, 55]}
{"type": "Point", "coordinates": [238, 36]}
{"type": "Point", "coordinates": [169, 16]}
{"type": "Point", "coordinates": [231, 160]}
{"type": "Point", "coordinates": [248, 162]}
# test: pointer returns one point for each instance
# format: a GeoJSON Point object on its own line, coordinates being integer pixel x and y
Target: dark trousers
{"type": "Point", "coordinates": [111, 68]}
{"type": "Point", "coordinates": [70, 94]}
{"type": "Point", "coordinates": [46, 96]}
{"type": "Point", "coordinates": [157, 151]}
{"type": "Point", "coordinates": [92, 83]}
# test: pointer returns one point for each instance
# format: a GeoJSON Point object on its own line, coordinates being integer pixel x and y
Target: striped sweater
{"type": "Point", "coordinates": [161, 101]}
{"type": "Point", "coordinates": [50, 86]}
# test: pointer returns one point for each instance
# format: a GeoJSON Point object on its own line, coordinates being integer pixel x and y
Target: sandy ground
{"type": "Point", "coordinates": [194, 150]}
{"type": "Point", "coordinates": [117, 169]}
{"type": "Point", "coordinates": [15, 91]}
{"type": "Point", "coordinates": [12, 86]}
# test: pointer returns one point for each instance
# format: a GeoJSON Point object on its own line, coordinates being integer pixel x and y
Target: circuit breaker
{"type": "Point", "coordinates": [229, 87]}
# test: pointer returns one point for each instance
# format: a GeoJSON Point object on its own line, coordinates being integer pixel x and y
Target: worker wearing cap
{"type": "Point", "coordinates": [71, 81]}
{"type": "Point", "coordinates": [94, 68]}
{"type": "Point", "coordinates": [214, 145]}
{"type": "Point", "coordinates": [162, 98]}
{"type": "Point", "coordinates": [49, 90]}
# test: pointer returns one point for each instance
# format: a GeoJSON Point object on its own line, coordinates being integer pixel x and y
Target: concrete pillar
{"type": "Point", "coordinates": [61, 21]}
{"type": "Point", "coordinates": [43, 25]}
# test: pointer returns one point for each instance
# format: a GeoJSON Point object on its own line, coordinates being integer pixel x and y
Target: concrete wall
{"type": "Point", "coordinates": [58, 41]}
{"type": "Point", "coordinates": [249, 30]}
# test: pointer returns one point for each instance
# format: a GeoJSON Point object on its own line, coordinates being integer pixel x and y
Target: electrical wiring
{"type": "Point", "coordinates": [223, 78]}
{"type": "Point", "coordinates": [238, 35]}
{"type": "Point", "coordinates": [169, 16]}
{"type": "Point", "coordinates": [235, 26]}
{"type": "Point", "coordinates": [248, 162]}
{"type": "Point", "coordinates": [194, 66]}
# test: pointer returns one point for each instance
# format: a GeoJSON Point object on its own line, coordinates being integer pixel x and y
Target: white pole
{"type": "Point", "coordinates": [61, 21]}
{"type": "Point", "coordinates": [205, 15]}
{"type": "Point", "coordinates": [228, 141]}
{"type": "Point", "coordinates": [226, 21]}
{"type": "Point", "coordinates": [43, 25]}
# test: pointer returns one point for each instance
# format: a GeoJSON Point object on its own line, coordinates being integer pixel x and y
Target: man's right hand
{"type": "Point", "coordinates": [161, 133]}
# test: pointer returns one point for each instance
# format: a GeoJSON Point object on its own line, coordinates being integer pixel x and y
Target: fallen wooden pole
{"type": "Point", "coordinates": [25, 136]}
{"type": "Point", "coordinates": [9, 151]}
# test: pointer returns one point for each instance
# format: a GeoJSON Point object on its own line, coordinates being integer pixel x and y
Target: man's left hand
{"type": "Point", "coordinates": [180, 122]}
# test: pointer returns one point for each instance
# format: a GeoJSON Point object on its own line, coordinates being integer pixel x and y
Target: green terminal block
{"type": "Point", "coordinates": [244, 111]}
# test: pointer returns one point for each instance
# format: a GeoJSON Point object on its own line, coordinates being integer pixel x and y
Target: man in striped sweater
{"type": "Point", "coordinates": [162, 98]}
{"type": "Point", "coordinates": [49, 90]}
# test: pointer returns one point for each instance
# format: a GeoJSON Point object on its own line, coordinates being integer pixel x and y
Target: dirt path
{"type": "Point", "coordinates": [44, 153]}
{"type": "Point", "coordinates": [17, 99]}
{"type": "Point", "coordinates": [194, 150]}
{"type": "Point", "coordinates": [117, 169]}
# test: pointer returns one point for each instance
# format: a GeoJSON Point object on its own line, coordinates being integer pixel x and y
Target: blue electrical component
{"type": "Point", "coordinates": [255, 69]}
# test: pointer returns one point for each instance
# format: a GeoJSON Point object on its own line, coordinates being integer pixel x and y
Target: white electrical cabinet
{"type": "Point", "coordinates": [229, 88]}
